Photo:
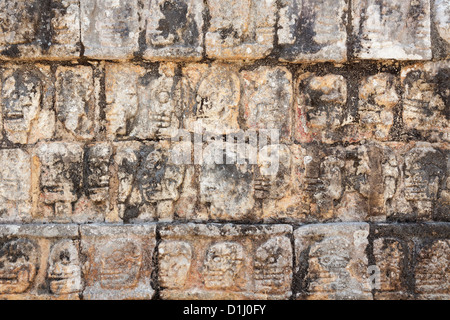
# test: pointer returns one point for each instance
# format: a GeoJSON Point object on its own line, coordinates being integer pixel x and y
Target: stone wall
{"type": "Point", "coordinates": [116, 116]}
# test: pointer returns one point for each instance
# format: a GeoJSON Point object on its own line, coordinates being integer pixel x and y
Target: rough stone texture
{"type": "Point", "coordinates": [331, 262]}
{"type": "Point", "coordinates": [313, 30]}
{"type": "Point", "coordinates": [36, 29]}
{"type": "Point", "coordinates": [187, 139]}
{"type": "Point", "coordinates": [392, 29]}
{"type": "Point", "coordinates": [26, 101]}
{"type": "Point", "coordinates": [426, 100]}
{"type": "Point", "coordinates": [174, 29]}
{"type": "Point", "coordinates": [198, 261]}
{"type": "Point", "coordinates": [118, 261]}
{"type": "Point", "coordinates": [240, 29]}
{"type": "Point", "coordinates": [110, 28]}
{"type": "Point", "coordinates": [40, 262]}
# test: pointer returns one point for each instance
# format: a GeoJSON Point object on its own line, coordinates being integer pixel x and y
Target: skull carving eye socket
{"type": "Point", "coordinates": [163, 96]}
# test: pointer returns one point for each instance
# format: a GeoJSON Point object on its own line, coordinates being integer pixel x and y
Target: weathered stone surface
{"type": "Point", "coordinates": [40, 262]}
{"type": "Point", "coordinates": [211, 96]}
{"type": "Point", "coordinates": [321, 109]}
{"type": "Point", "coordinates": [174, 29]}
{"type": "Point", "coordinates": [213, 261]}
{"type": "Point", "coordinates": [423, 192]}
{"type": "Point", "coordinates": [226, 181]}
{"type": "Point", "coordinates": [267, 100]}
{"type": "Point", "coordinates": [26, 101]}
{"type": "Point", "coordinates": [76, 103]}
{"type": "Point", "coordinates": [240, 29]}
{"type": "Point", "coordinates": [432, 272]}
{"type": "Point", "coordinates": [313, 30]}
{"type": "Point", "coordinates": [34, 29]}
{"type": "Point", "coordinates": [15, 186]}
{"type": "Point", "coordinates": [110, 28]}
{"type": "Point", "coordinates": [378, 97]}
{"type": "Point", "coordinates": [331, 261]}
{"type": "Point", "coordinates": [426, 100]}
{"type": "Point", "coordinates": [58, 176]}
{"type": "Point", "coordinates": [412, 260]}
{"type": "Point", "coordinates": [148, 180]}
{"type": "Point", "coordinates": [118, 261]}
{"type": "Point", "coordinates": [442, 18]}
{"type": "Point", "coordinates": [142, 103]}
{"type": "Point", "coordinates": [391, 29]}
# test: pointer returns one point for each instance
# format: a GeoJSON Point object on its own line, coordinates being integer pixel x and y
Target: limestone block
{"type": "Point", "coordinates": [240, 29]}
{"type": "Point", "coordinates": [76, 103]}
{"type": "Point", "coordinates": [378, 97]}
{"type": "Point", "coordinates": [321, 109]}
{"type": "Point", "coordinates": [313, 30]}
{"type": "Point", "coordinates": [211, 98]}
{"type": "Point", "coordinates": [174, 29]}
{"type": "Point", "coordinates": [441, 15]}
{"type": "Point", "coordinates": [36, 29]}
{"type": "Point", "coordinates": [331, 261]}
{"type": "Point", "coordinates": [58, 175]}
{"type": "Point", "coordinates": [386, 29]}
{"type": "Point", "coordinates": [26, 102]}
{"type": "Point", "coordinates": [110, 28]}
{"type": "Point", "coordinates": [267, 100]}
{"type": "Point", "coordinates": [40, 262]}
{"type": "Point", "coordinates": [118, 261]}
{"type": "Point", "coordinates": [148, 180]}
{"type": "Point", "coordinates": [426, 100]}
{"type": "Point", "coordinates": [212, 261]}
{"type": "Point", "coordinates": [142, 103]}
{"type": "Point", "coordinates": [15, 186]}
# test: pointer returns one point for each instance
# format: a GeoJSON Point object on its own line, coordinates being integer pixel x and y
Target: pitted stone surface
{"type": "Point", "coordinates": [198, 261]}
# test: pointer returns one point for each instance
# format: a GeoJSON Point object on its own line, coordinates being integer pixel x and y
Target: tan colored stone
{"type": "Point", "coordinates": [142, 103]}
{"type": "Point", "coordinates": [240, 29]}
{"type": "Point", "coordinates": [267, 100]}
{"type": "Point", "coordinates": [442, 18]}
{"type": "Point", "coordinates": [26, 100]}
{"type": "Point", "coordinates": [174, 29]}
{"type": "Point", "coordinates": [110, 28]}
{"type": "Point", "coordinates": [211, 98]}
{"type": "Point", "coordinates": [76, 103]}
{"type": "Point", "coordinates": [40, 262]}
{"type": "Point", "coordinates": [387, 29]}
{"type": "Point", "coordinates": [118, 261]}
{"type": "Point", "coordinates": [378, 96]}
{"type": "Point", "coordinates": [426, 99]}
{"type": "Point", "coordinates": [15, 186]}
{"type": "Point", "coordinates": [332, 262]}
{"type": "Point", "coordinates": [212, 261]}
{"type": "Point", "coordinates": [34, 29]}
{"type": "Point", "coordinates": [313, 30]}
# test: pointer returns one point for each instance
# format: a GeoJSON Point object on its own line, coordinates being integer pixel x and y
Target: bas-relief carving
{"type": "Point", "coordinates": [142, 104]}
{"type": "Point", "coordinates": [25, 102]}
{"type": "Point", "coordinates": [175, 259]}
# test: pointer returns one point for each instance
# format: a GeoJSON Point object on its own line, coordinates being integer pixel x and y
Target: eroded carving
{"type": "Point", "coordinates": [174, 263]}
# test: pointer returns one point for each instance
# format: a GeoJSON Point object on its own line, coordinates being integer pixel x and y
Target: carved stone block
{"type": "Point", "coordinates": [15, 186]}
{"type": "Point", "coordinates": [240, 30]}
{"type": "Point", "coordinates": [142, 103]}
{"type": "Point", "coordinates": [386, 29]}
{"type": "Point", "coordinates": [313, 30]}
{"type": "Point", "coordinates": [26, 101]}
{"type": "Point", "coordinates": [118, 261]}
{"type": "Point", "coordinates": [76, 103]}
{"type": "Point", "coordinates": [33, 29]}
{"type": "Point", "coordinates": [331, 261]}
{"type": "Point", "coordinates": [267, 100]}
{"type": "Point", "coordinates": [40, 262]}
{"type": "Point", "coordinates": [110, 28]}
{"type": "Point", "coordinates": [214, 261]}
{"type": "Point", "coordinates": [174, 29]}
{"type": "Point", "coordinates": [426, 100]}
